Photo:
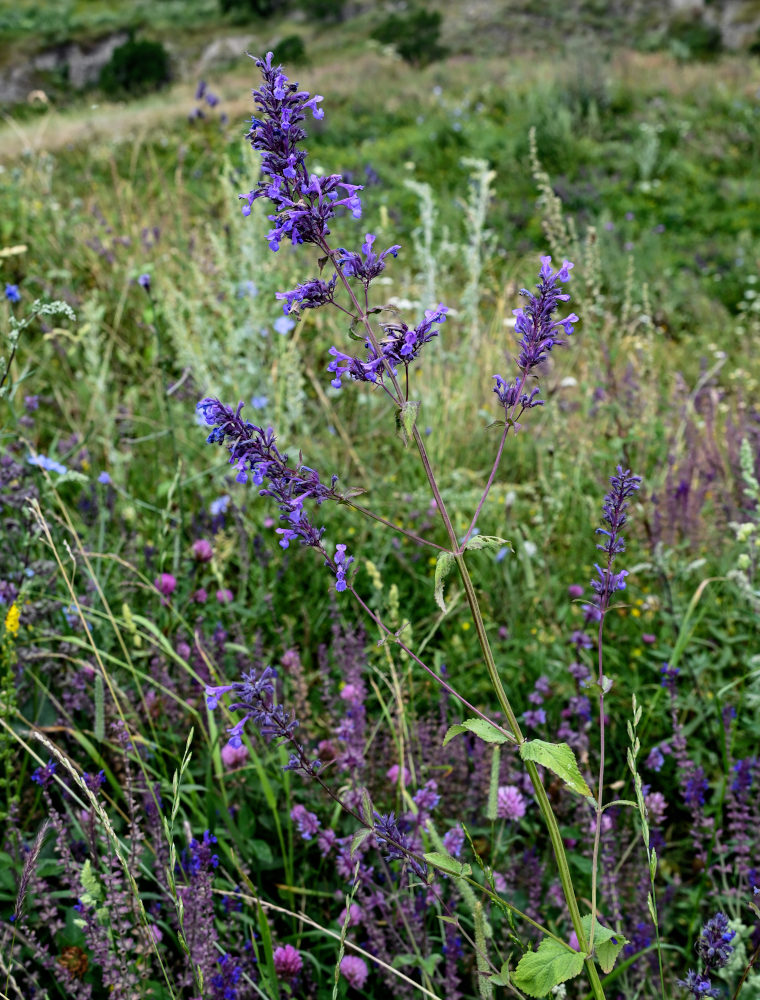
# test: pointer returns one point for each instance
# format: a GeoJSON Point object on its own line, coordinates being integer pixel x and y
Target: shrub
{"type": "Point", "coordinates": [290, 50]}
{"type": "Point", "coordinates": [136, 67]}
{"type": "Point", "coordinates": [414, 36]}
{"type": "Point", "coordinates": [259, 8]}
{"type": "Point", "coordinates": [323, 10]}
{"type": "Point", "coordinates": [691, 38]}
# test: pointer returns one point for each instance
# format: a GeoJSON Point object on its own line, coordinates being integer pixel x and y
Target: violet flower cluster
{"type": "Point", "coordinates": [304, 202]}
{"type": "Point", "coordinates": [714, 948]}
{"type": "Point", "coordinates": [255, 697]}
{"type": "Point", "coordinates": [254, 453]}
{"type": "Point", "coordinates": [540, 334]}
{"type": "Point", "coordinates": [400, 346]}
{"type": "Point", "coordinates": [614, 515]}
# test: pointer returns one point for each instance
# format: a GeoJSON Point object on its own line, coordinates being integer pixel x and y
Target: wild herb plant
{"type": "Point", "coordinates": [304, 205]}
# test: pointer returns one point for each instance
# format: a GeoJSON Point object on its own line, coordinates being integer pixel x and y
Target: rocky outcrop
{"type": "Point", "coordinates": [79, 63]}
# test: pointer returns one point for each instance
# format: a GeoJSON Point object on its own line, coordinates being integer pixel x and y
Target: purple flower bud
{"type": "Point", "coordinates": [202, 550]}
{"type": "Point", "coordinates": [165, 584]}
{"type": "Point", "coordinates": [287, 962]}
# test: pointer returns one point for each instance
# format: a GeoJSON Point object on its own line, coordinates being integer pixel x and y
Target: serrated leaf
{"type": "Point", "coordinates": [560, 760]}
{"type": "Point", "coordinates": [488, 542]}
{"type": "Point", "coordinates": [539, 971]}
{"type": "Point", "coordinates": [91, 884]}
{"type": "Point", "coordinates": [443, 565]}
{"type": "Point", "coordinates": [607, 943]}
{"type": "Point", "coordinates": [406, 419]}
{"type": "Point", "coordinates": [483, 729]}
{"type": "Point", "coordinates": [445, 863]}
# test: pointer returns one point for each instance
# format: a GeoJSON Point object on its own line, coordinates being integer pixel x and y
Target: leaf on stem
{"type": "Point", "coordinates": [442, 569]}
{"type": "Point", "coordinates": [488, 542]}
{"type": "Point", "coordinates": [560, 760]}
{"type": "Point", "coordinates": [538, 972]}
{"type": "Point", "coordinates": [446, 863]}
{"type": "Point", "coordinates": [482, 728]}
{"type": "Point", "coordinates": [406, 418]}
{"type": "Point", "coordinates": [607, 944]}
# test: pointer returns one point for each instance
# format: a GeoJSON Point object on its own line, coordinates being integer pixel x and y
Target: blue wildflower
{"type": "Point", "coordinates": [12, 293]}
{"type": "Point", "coordinates": [43, 776]}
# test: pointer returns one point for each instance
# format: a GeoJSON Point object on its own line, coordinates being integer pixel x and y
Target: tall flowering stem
{"type": "Point", "coordinates": [304, 205]}
{"type": "Point", "coordinates": [607, 582]}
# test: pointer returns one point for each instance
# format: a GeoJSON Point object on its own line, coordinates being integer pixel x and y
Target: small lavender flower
{"type": "Point", "coordinates": [144, 282]}
{"type": "Point", "coordinates": [304, 203]}
{"type": "Point", "coordinates": [539, 336]}
{"type": "Point", "coordinates": [12, 293]}
{"type": "Point", "coordinates": [202, 550]}
{"type": "Point", "coordinates": [400, 346]}
{"type": "Point", "coordinates": [453, 841]}
{"type": "Point", "coordinates": [614, 515]}
{"type": "Point", "coordinates": [307, 822]}
{"type": "Point", "coordinates": [341, 565]}
{"type": "Point", "coordinates": [94, 781]}
{"type": "Point", "coordinates": [287, 961]}
{"type": "Point", "coordinates": [43, 776]}
{"type": "Point", "coordinates": [697, 984]}
{"type": "Point", "coordinates": [308, 295]}
{"type": "Point", "coordinates": [354, 970]}
{"type": "Point", "coordinates": [253, 453]}
{"type": "Point", "coordinates": [396, 843]}
{"type": "Point", "coordinates": [352, 264]}
{"type": "Point", "coordinates": [714, 947]}
{"type": "Point", "coordinates": [255, 694]}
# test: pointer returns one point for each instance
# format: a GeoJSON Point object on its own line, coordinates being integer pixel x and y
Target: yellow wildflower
{"type": "Point", "coordinates": [12, 620]}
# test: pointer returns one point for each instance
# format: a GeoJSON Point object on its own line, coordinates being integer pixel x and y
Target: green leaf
{"type": "Point", "coordinates": [560, 760]}
{"type": "Point", "coordinates": [483, 729]}
{"type": "Point", "coordinates": [488, 542]}
{"type": "Point", "coordinates": [406, 418]}
{"type": "Point", "coordinates": [93, 889]}
{"type": "Point", "coordinates": [358, 839]}
{"type": "Point", "coordinates": [607, 943]}
{"type": "Point", "coordinates": [502, 976]}
{"type": "Point", "coordinates": [442, 569]}
{"type": "Point", "coordinates": [539, 971]}
{"type": "Point", "coordinates": [445, 862]}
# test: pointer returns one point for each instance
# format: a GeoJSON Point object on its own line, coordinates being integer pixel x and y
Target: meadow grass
{"type": "Point", "coordinates": [106, 666]}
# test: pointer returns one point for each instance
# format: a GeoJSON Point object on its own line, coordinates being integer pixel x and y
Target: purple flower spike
{"type": "Point", "coordinates": [304, 203]}
{"type": "Point", "coordinates": [540, 334]}
{"type": "Point", "coordinates": [614, 515]}
{"type": "Point", "coordinates": [309, 295]}
{"type": "Point", "coordinates": [253, 453]}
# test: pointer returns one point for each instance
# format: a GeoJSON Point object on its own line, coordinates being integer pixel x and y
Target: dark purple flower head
{"type": "Point", "coordinates": [253, 453]}
{"type": "Point", "coordinates": [540, 333]}
{"type": "Point", "coordinates": [396, 843]}
{"type": "Point", "coordinates": [200, 90]}
{"type": "Point", "coordinates": [43, 776]}
{"type": "Point", "coordinates": [309, 295]}
{"type": "Point", "coordinates": [366, 268]}
{"type": "Point", "coordinates": [714, 946]}
{"type": "Point", "coordinates": [697, 984]}
{"type": "Point", "coordinates": [304, 202]}
{"type": "Point", "coordinates": [94, 781]}
{"type": "Point", "coordinates": [400, 346]}
{"type": "Point", "coordinates": [200, 855]}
